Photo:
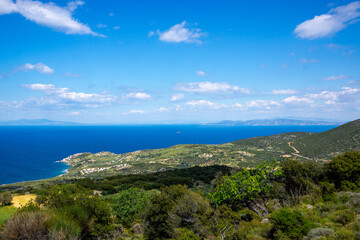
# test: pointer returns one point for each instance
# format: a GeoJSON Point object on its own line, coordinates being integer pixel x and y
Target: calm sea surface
{"type": "Point", "coordinates": [31, 152]}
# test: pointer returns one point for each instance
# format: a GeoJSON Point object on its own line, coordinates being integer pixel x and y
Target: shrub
{"type": "Point", "coordinates": [128, 204]}
{"type": "Point", "coordinates": [289, 223]}
{"type": "Point", "coordinates": [63, 227]}
{"type": "Point", "coordinates": [158, 225]}
{"type": "Point", "coordinates": [191, 211]}
{"type": "Point", "coordinates": [176, 207]}
{"type": "Point", "coordinates": [185, 234]}
{"type": "Point", "coordinates": [300, 178]}
{"type": "Point", "coordinates": [316, 233]}
{"type": "Point", "coordinates": [247, 187]}
{"type": "Point", "coordinates": [90, 211]}
{"type": "Point", "coordinates": [5, 199]}
{"type": "Point", "coordinates": [343, 216]}
{"type": "Point", "coordinates": [342, 234]}
{"type": "Point", "coordinates": [344, 171]}
{"type": "Point", "coordinates": [27, 225]}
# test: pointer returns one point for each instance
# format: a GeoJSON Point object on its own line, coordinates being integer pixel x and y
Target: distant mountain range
{"type": "Point", "coordinates": [37, 122]}
{"type": "Point", "coordinates": [255, 122]}
{"type": "Point", "coordinates": [276, 122]}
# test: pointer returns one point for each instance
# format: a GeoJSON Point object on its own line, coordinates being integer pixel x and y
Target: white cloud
{"type": "Point", "coordinates": [116, 27]}
{"type": "Point", "coordinates": [338, 77]}
{"type": "Point", "coordinates": [138, 95]}
{"type": "Point", "coordinates": [201, 73]}
{"type": "Point", "coordinates": [74, 113]}
{"type": "Point", "coordinates": [48, 14]}
{"type": "Point", "coordinates": [202, 104]}
{"type": "Point", "coordinates": [209, 87]}
{"type": "Point", "coordinates": [134, 111]}
{"type": "Point", "coordinates": [151, 33]}
{"type": "Point", "coordinates": [304, 60]}
{"type": "Point", "coordinates": [163, 109]}
{"type": "Point", "coordinates": [263, 104]}
{"type": "Point", "coordinates": [181, 33]}
{"type": "Point", "coordinates": [63, 97]}
{"type": "Point", "coordinates": [284, 91]}
{"type": "Point", "coordinates": [177, 97]}
{"type": "Point", "coordinates": [297, 100]}
{"type": "Point", "coordinates": [330, 23]}
{"type": "Point", "coordinates": [40, 67]}
{"type": "Point", "coordinates": [7, 7]}
{"type": "Point", "coordinates": [346, 94]}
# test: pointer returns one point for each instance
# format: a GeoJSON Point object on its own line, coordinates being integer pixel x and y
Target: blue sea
{"type": "Point", "coordinates": [32, 152]}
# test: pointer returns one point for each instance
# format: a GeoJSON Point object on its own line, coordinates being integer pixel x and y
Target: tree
{"type": "Point", "coordinates": [247, 187]}
{"type": "Point", "coordinates": [300, 178]}
{"type": "Point", "coordinates": [176, 208]}
{"type": "Point", "coordinates": [128, 204]}
{"type": "Point", "coordinates": [344, 171]}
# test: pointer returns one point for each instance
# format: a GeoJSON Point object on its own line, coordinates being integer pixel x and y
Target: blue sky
{"type": "Point", "coordinates": [179, 62]}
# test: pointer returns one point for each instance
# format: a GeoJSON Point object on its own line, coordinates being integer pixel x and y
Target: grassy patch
{"type": "Point", "coordinates": [5, 213]}
{"type": "Point", "coordinates": [22, 200]}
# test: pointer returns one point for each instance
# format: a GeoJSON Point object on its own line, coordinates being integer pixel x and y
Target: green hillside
{"type": "Point", "coordinates": [315, 146]}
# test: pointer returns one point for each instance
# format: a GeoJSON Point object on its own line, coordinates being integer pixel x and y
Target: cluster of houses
{"type": "Point", "coordinates": [99, 169]}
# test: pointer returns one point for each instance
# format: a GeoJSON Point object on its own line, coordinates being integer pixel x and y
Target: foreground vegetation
{"type": "Point", "coordinates": [275, 200]}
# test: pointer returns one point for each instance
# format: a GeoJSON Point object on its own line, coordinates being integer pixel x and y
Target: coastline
{"type": "Point", "coordinates": [117, 140]}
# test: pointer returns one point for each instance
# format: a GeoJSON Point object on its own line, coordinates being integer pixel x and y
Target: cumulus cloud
{"type": "Point", "coordinates": [284, 91]}
{"type": "Point", "coordinates": [297, 100]}
{"type": "Point", "coordinates": [64, 97]}
{"type": "Point", "coordinates": [7, 6]}
{"type": "Point", "coordinates": [40, 67]}
{"type": "Point", "coordinates": [138, 95]}
{"type": "Point", "coordinates": [201, 73]}
{"type": "Point", "coordinates": [330, 23]}
{"type": "Point", "coordinates": [337, 77]}
{"type": "Point", "coordinates": [263, 104]}
{"type": "Point", "coordinates": [210, 87]}
{"type": "Point", "coordinates": [346, 94]}
{"type": "Point", "coordinates": [181, 33]}
{"type": "Point", "coordinates": [202, 104]}
{"type": "Point", "coordinates": [177, 97]}
{"type": "Point", "coordinates": [48, 14]}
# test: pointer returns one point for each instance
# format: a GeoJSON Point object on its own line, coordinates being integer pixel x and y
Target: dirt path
{"type": "Point", "coordinates": [296, 151]}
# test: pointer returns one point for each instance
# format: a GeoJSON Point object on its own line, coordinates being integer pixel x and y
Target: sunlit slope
{"type": "Point", "coordinates": [315, 146]}
{"type": "Point", "coordinates": [330, 143]}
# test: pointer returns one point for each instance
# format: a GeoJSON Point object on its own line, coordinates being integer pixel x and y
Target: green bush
{"type": "Point", "coordinates": [342, 234]}
{"type": "Point", "coordinates": [5, 199]}
{"type": "Point", "coordinates": [176, 207]}
{"type": "Point", "coordinates": [128, 204]}
{"type": "Point", "coordinates": [89, 210]}
{"type": "Point", "coordinates": [344, 171]}
{"type": "Point", "coordinates": [289, 223]}
{"type": "Point", "coordinates": [63, 227]}
{"type": "Point", "coordinates": [343, 216]}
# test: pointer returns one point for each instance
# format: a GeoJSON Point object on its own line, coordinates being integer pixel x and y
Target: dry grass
{"type": "Point", "coordinates": [22, 200]}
